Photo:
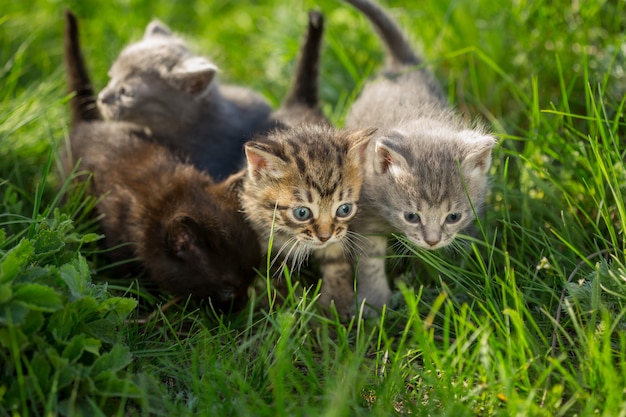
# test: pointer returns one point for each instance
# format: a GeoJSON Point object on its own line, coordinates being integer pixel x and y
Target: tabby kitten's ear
{"type": "Point", "coordinates": [156, 28]}
{"type": "Point", "coordinates": [359, 141]}
{"type": "Point", "coordinates": [389, 157]}
{"type": "Point", "coordinates": [478, 159]}
{"type": "Point", "coordinates": [182, 239]}
{"type": "Point", "coordinates": [192, 75]}
{"type": "Point", "coordinates": [263, 160]}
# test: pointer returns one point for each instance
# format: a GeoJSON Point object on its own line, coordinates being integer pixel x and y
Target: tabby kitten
{"type": "Point", "coordinates": [303, 179]}
{"type": "Point", "coordinates": [427, 168]}
{"type": "Point", "coordinates": [184, 229]}
{"type": "Point", "coordinates": [159, 83]}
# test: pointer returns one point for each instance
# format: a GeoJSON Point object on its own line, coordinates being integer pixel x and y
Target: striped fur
{"type": "Point", "coordinates": [312, 169]}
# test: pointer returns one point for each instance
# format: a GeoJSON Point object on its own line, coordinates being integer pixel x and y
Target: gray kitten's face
{"type": "Point", "coordinates": [155, 80]}
{"type": "Point", "coordinates": [425, 184]}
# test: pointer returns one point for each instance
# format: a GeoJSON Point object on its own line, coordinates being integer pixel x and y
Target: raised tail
{"type": "Point", "coordinates": [400, 52]}
{"type": "Point", "coordinates": [305, 87]}
{"type": "Point", "coordinates": [83, 103]}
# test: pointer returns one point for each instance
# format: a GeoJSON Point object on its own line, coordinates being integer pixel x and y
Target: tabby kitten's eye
{"type": "Point", "coordinates": [302, 214]}
{"type": "Point", "coordinates": [453, 218]}
{"type": "Point", "coordinates": [344, 210]}
{"type": "Point", "coordinates": [412, 217]}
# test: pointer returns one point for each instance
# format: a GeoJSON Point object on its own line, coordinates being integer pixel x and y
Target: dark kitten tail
{"type": "Point", "coordinates": [400, 52]}
{"type": "Point", "coordinates": [305, 86]}
{"type": "Point", "coordinates": [83, 103]}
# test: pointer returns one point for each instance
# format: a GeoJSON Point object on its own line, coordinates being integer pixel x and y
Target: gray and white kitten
{"type": "Point", "coordinates": [426, 173]}
{"type": "Point", "coordinates": [159, 83]}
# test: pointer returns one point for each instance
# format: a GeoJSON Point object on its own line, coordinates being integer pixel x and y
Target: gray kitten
{"type": "Point", "coordinates": [427, 168]}
{"type": "Point", "coordinates": [159, 83]}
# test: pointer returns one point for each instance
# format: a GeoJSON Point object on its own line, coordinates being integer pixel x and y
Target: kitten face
{"type": "Point", "coordinates": [304, 183]}
{"type": "Point", "coordinates": [425, 182]}
{"type": "Point", "coordinates": [155, 80]}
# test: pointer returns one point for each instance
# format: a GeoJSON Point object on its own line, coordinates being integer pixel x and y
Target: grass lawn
{"type": "Point", "coordinates": [528, 319]}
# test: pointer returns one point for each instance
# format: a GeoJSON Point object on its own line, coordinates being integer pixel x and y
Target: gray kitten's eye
{"type": "Point", "coordinates": [124, 91]}
{"type": "Point", "coordinates": [453, 218]}
{"type": "Point", "coordinates": [412, 217]}
{"type": "Point", "coordinates": [344, 210]}
{"type": "Point", "coordinates": [302, 214]}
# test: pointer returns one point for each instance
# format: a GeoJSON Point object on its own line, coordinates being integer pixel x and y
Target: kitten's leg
{"type": "Point", "coordinates": [337, 280]}
{"type": "Point", "coordinates": [371, 283]}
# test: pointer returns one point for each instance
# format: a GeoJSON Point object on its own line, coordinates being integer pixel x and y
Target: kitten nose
{"type": "Point", "coordinates": [432, 242]}
{"type": "Point", "coordinates": [323, 238]}
{"type": "Point", "coordinates": [104, 97]}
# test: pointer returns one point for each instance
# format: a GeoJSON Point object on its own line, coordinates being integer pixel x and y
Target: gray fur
{"type": "Point", "coordinates": [425, 160]}
{"type": "Point", "coordinates": [159, 83]}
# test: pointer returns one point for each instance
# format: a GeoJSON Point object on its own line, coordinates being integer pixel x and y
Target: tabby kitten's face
{"type": "Point", "coordinates": [304, 183]}
{"type": "Point", "coordinates": [155, 80]}
{"type": "Point", "coordinates": [423, 182]}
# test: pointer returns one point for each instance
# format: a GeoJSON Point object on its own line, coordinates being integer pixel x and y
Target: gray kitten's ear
{"type": "Point", "coordinates": [156, 28]}
{"type": "Point", "coordinates": [193, 75]}
{"type": "Point", "coordinates": [263, 159]}
{"type": "Point", "coordinates": [389, 158]}
{"type": "Point", "coordinates": [478, 159]}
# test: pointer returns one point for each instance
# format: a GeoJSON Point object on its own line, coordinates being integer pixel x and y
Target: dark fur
{"type": "Point", "coordinates": [185, 229]}
{"type": "Point", "coordinates": [301, 104]}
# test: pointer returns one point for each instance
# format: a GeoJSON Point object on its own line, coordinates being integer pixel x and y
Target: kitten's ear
{"type": "Point", "coordinates": [156, 28]}
{"type": "Point", "coordinates": [478, 159]}
{"type": "Point", "coordinates": [182, 238]}
{"type": "Point", "coordinates": [263, 160]}
{"type": "Point", "coordinates": [359, 140]}
{"type": "Point", "coordinates": [193, 75]}
{"type": "Point", "coordinates": [389, 158]}
{"type": "Point", "coordinates": [234, 182]}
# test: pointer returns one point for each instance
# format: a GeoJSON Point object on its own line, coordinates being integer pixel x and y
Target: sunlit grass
{"type": "Point", "coordinates": [484, 328]}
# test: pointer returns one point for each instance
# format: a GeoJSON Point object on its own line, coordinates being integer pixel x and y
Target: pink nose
{"type": "Point", "coordinates": [323, 238]}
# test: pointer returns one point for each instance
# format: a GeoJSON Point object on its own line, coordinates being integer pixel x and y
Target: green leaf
{"type": "Point", "coordinates": [79, 344]}
{"type": "Point", "coordinates": [117, 358]}
{"type": "Point", "coordinates": [41, 369]}
{"type": "Point", "coordinates": [47, 242]}
{"type": "Point", "coordinates": [103, 329]}
{"type": "Point", "coordinates": [13, 313]}
{"type": "Point", "coordinates": [3, 237]}
{"type": "Point", "coordinates": [33, 323]}
{"type": "Point", "coordinates": [90, 237]}
{"type": "Point", "coordinates": [5, 293]}
{"type": "Point", "coordinates": [38, 297]}
{"type": "Point", "coordinates": [76, 276]}
{"type": "Point", "coordinates": [8, 336]}
{"type": "Point", "coordinates": [14, 260]}
{"type": "Point", "coordinates": [107, 383]}
{"type": "Point", "coordinates": [122, 306]}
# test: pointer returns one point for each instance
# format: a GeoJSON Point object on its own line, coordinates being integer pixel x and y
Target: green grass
{"type": "Point", "coordinates": [480, 330]}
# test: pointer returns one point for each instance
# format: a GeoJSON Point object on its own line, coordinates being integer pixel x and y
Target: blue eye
{"type": "Point", "coordinates": [302, 214]}
{"type": "Point", "coordinates": [412, 217]}
{"type": "Point", "coordinates": [453, 218]}
{"type": "Point", "coordinates": [344, 210]}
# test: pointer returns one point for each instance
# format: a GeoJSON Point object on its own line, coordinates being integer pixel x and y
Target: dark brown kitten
{"type": "Point", "coordinates": [185, 229]}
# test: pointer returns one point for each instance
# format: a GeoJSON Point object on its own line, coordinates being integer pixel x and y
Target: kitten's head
{"type": "Point", "coordinates": [156, 80]}
{"type": "Point", "coordinates": [204, 247]}
{"type": "Point", "coordinates": [304, 183]}
{"type": "Point", "coordinates": [422, 182]}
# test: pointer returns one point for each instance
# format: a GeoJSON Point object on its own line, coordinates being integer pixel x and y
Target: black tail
{"type": "Point", "coordinates": [400, 52]}
{"type": "Point", "coordinates": [305, 87]}
{"type": "Point", "coordinates": [83, 103]}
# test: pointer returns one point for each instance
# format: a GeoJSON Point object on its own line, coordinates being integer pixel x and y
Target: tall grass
{"type": "Point", "coordinates": [525, 319]}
